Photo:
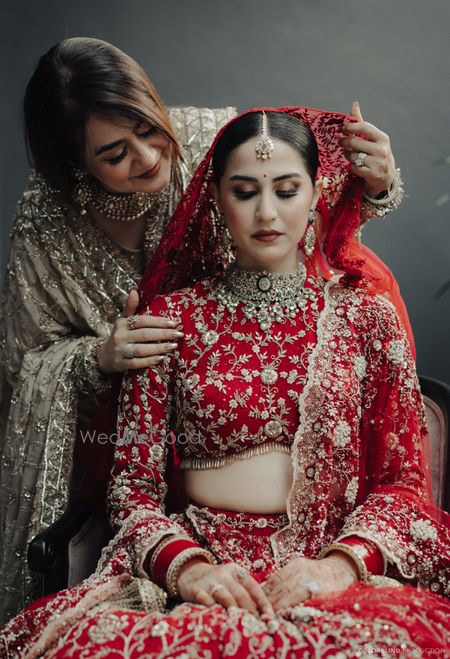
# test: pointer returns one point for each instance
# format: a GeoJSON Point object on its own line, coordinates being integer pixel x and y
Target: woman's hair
{"type": "Point", "coordinates": [282, 126]}
{"type": "Point", "coordinates": [76, 79]}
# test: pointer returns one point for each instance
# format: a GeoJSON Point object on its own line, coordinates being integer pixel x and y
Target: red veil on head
{"type": "Point", "coordinates": [193, 244]}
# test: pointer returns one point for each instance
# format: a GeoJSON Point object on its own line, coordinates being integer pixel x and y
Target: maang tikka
{"type": "Point", "coordinates": [310, 235]}
{"type": "Point", "coordinates": [264, 146]}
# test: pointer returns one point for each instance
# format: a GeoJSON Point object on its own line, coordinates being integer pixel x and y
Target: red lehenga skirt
{"type": "Point", "coordinates": [364, 620]}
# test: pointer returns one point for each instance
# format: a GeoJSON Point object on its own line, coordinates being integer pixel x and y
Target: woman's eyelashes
{"type": "Point", "coordinates": [116, 159]}
{"type": "Point", "coordinates": [282, 193]}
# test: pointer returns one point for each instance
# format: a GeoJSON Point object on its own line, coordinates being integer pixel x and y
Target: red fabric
{"type": "Point", "coordinates": [361, 620]}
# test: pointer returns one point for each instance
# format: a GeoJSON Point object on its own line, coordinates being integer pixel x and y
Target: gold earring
{"type": "Point", "coordinates": [310, 235]}
{"type": "Point", "coordinates": [82, 191]}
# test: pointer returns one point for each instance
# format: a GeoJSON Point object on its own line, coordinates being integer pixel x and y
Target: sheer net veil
{"type": "Point", "coordinates": [194, 244]}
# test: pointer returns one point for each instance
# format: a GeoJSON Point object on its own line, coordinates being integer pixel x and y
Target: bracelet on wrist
{"type": "Point", "coordinates": [179, 562]}
{"type": "Point", "coordinates": [367, 557]}
{"type": "Point", "coordinates": [391, 200]}
{"type": "Point", "coordinates": [369, 552]}
{"type": "Point", "coordinates": [164, 554]}
{"type": "Point", "coordinates": [363, 574]}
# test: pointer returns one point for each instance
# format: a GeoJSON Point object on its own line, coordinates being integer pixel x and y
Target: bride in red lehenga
{"type": "Point", "coordinates": [293, 409]}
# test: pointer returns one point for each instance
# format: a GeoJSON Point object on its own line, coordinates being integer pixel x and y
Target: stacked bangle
{"type": "Point", "coordinates": [168, 558]}
{"type": "Point", "coordinates": [391, 200]}
{"type": "Point", "coordinates": [368, 558]}
{"type": "Point", "coordinates": [162, 557]}
{"type": "Point", "coordinates": [175, 567]}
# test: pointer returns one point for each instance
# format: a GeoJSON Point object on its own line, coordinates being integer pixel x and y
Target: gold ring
{"type": "Point", "coordinates": [215, 587]}
{"type": "Point", "coordinates": [131, 320]}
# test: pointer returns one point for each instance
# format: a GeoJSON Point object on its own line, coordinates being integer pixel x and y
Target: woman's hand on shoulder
{"type": "Point", "coordinates": [227, 584]}
{"type": "Point", "coordinates": [303, 578]}
{"type": "Point", "coordinates": [137, 341]}
{"type": "Point", "coordinates": [378, 168]}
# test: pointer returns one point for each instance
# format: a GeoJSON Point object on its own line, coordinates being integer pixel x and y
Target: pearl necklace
{"type": "Point", "coordinates": [267, 296]}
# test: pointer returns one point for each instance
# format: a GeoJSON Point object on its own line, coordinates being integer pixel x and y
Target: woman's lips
{"type": "Point", "coordinates": [150, 173]}
{"type": "Point", "coordinates": [267, 236]}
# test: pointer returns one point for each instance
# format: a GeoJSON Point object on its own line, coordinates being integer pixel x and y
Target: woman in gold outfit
{"type": "Point", "coordinates": [110, 163]}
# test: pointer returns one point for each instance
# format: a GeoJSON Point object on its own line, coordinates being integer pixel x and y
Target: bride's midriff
{"type": "Point", "coordinates": [257, 484]}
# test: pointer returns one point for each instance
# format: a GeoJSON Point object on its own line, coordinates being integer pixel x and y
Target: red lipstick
{"type": "Point", "coordinates": [266, 236]}
{"type": "Point", "coordinates": [150, 173]}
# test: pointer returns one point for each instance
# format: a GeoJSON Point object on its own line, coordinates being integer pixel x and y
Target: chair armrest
{"type": "Point", "coordinates": [48, 551]}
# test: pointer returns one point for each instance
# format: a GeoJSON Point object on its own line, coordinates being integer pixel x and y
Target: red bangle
{"type": "Point", "coordinates": [165, 557]}
{"type": "Point", "coordinates": [368, 552]}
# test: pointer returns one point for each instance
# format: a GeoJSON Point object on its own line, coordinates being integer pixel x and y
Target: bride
{"type": "Point", "coordinates": [293, 408]}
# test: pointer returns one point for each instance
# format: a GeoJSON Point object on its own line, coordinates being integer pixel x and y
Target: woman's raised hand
{"type": "Point", "coordinates": [227, 584]}
{"type": "Point", "coordinates": [137, 341]}
{"type": "Point", "coordinates": [303, 578]}
{"type": "Point", "coordinates": [369, 151]}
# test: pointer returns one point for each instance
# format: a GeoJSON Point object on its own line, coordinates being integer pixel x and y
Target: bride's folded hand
{"type": "Point", "coordinates": [228, 585]}
{"type": "Point", "coordinates": [303, 578]}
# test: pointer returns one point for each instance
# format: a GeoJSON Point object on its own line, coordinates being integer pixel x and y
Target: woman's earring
{"type": "Point", "coordinates": [310, 235]}
{"type": "Point", "coordinates": [221, 230]}
{"type": "Point", "coordinates": [82, 192]}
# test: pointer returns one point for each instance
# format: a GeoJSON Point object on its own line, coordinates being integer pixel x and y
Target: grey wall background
{"type": "Point", "coordinates": [393, 57]}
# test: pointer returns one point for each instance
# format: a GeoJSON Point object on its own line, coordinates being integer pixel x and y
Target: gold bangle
{"type": "Point", "coordinates": [394, 196]}
{"type": "Point", "coordinates": [179, 561]}
{"type": "Point", "coordinates": [160, 546]}
{"type": "Point", "coordinates": [363, 573]}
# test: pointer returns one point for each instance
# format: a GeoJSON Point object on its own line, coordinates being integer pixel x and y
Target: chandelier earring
{"type": "Point", "coordinates": [82, 192]}
{"type": "Point", "coordinates": [310, 235]}
{"type": "Point", "coordinates": [221, 230]}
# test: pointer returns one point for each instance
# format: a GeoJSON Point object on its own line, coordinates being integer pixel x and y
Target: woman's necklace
{"type": "Point", "coordinates": [125, 207]}
{"type": "Point", "coordinates": [266, 296]}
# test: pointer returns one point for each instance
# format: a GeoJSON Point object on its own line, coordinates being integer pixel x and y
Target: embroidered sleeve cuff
{"type": "Point", "coordinates": [88, 376]}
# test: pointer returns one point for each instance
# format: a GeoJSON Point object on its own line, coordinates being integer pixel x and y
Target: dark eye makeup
{"type": "Point", "coordinates": [248, 194]}
{"type": "Point", "coordinates": [116, 159]}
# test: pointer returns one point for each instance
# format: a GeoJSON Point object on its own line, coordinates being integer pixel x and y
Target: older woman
{"type": "Point", "coordinates": [111, 164]}
{"type": "Point", "coordinates": [294, 407]}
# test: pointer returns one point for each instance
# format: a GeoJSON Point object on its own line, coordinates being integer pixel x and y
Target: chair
{"type": "Point", "coordinates": [436, 396]}
{"type": "Point", "coordinates": [67, 551]}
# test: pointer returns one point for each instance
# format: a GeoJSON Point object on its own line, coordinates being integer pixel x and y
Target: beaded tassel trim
{"type": "Point", "coordinates": [223, 460]}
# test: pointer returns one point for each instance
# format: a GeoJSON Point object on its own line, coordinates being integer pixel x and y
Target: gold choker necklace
{"type": "Point", "coordinates": [124, 207]}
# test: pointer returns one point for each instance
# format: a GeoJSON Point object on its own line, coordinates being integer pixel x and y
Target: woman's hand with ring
{"type": "Point", "coordinates": [369, 151]}
{"type": "Point", "coordinates": [227, 584]}
{"type": "Point", "coordinates": [137, 341]}
{"type": "Point", "coordinates": [303, 578]}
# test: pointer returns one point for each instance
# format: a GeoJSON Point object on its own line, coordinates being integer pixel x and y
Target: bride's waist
{"type": "Point", "coordinates": [256, 483]}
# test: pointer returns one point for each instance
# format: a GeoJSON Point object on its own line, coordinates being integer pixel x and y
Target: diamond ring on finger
{"type": "Point", "coordinates": [128, 351]}
{"type": "Point", "coordinates": [215, 588]}
{"type": "Point", "coordinates": [313, 587]}
{"type": "Point", "coordinates": [131, 322]}
{"type": "Point", "coordinates": [241, 573]}
{"type": "Point", "coordinates": [360, 159]}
